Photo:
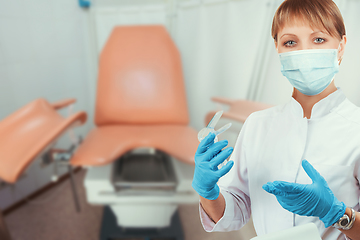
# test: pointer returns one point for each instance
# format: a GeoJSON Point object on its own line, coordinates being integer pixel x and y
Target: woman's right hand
{"type": "Point", "coordinates": [207, 158]}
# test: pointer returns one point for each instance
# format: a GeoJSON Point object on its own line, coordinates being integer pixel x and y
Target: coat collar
{"type": "Point", "coordinates": [321, 108]}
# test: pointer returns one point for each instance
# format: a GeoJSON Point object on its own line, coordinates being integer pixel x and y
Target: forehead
{"type": "Point", "coordinates": [298, 25]}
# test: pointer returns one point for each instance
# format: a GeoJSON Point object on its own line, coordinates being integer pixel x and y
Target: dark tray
{"type": "Point", "coordinates": [144, 171]}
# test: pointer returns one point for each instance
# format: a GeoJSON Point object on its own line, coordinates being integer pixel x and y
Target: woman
{"type": "Point", "coordinates": [267, 175]}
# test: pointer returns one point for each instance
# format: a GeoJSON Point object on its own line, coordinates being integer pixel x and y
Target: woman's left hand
{"type": "Point", "coordinates": [314, 199]}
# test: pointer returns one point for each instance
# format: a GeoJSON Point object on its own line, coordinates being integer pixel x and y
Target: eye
{"type": "Point", "coordinates": [319, 40]}
{"type": "Point", "coordinates": [289, 43]}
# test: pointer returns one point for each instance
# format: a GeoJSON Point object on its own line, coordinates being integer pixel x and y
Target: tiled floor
{"type": "Point", "coordinates": [53, 217]}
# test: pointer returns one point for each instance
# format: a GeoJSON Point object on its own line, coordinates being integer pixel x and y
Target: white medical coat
{"type": "Point", "coordinates": [271, 146]}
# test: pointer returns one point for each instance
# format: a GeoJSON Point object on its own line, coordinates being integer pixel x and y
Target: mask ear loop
{"type": "Point", "coordinates": [339, 48]}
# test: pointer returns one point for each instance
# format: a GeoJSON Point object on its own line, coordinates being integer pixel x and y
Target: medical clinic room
{"type": "Point", "coordinates": [179, 120]}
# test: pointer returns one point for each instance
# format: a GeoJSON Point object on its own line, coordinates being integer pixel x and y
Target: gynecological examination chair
{"type": "Point", "coordinates": [29, 133]}
{"type": "Point", "coordinates": [140, 156]}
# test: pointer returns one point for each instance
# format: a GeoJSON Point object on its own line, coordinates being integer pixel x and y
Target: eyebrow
{"type": "Point", "coordinates": [287, 34]}
{"type": "Point", "coordinates": [318, 32]}
{"type": "Point", "coordinates": [290, 34]}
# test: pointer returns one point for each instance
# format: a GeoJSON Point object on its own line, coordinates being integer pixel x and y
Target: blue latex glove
{"type": "Point", "coordinates": [314, 199]}
{"type": "Point", "coordinates": [208, 156]}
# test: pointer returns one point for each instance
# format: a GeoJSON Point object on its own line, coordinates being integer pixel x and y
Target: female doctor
{"type": "Point", "coordinates": [299, 162]}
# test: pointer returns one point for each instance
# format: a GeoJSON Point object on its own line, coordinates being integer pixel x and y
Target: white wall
{"type": "Point", "coordinates": [348, 77]}
{"type": "Point", "coordinates": [43, 53]}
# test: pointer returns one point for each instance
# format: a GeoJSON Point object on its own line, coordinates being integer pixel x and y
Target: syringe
{"type": "Point", "coordinates": [210, 127]}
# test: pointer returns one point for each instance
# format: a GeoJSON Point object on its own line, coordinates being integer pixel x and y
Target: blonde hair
{"type": "Point", "coordinates": [321, 14]}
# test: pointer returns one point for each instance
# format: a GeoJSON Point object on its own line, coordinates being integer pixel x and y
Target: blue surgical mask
{"type": "Point", "coordinates": [310, 71]}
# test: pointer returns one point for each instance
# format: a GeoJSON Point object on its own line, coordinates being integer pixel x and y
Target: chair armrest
{"type": "Point", "coordinates": [63, 103]}
{"type": "Point", "coordinates": [223, 100]}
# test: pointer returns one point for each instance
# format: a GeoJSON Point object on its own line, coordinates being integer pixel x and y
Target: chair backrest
{"type": "Point", "coordinates": [140, 79]}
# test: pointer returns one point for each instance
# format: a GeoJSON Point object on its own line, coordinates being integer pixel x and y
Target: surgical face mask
{"type": "Point", "coordinates": [310, 71]}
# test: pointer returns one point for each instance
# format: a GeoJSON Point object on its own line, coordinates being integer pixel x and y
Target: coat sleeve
{"type": "Point", "coordinates": [234, 188]}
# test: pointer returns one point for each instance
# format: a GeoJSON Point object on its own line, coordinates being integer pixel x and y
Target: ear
{"type": "Point", "coordinates": [342, 48]}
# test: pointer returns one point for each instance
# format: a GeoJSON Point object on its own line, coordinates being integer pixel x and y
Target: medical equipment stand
{"type": "Point", "coordinates": [63, 157]}
{"type": "Point", "coordinates": [111, 231]}
{"type": "Point", "coordinates": [4, 232]}
{"type": "Point", "coordinates": [73, 188]}
{"type": "Point", "coordinates": [142, 172]}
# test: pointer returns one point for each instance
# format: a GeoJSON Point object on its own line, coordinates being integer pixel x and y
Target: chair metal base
{"type": "Point", "coordinates": [111, 231]}
{"type": "Point", "coordinates": [4, 231]}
